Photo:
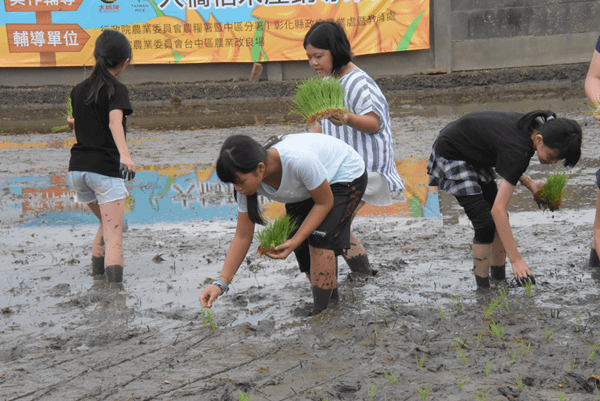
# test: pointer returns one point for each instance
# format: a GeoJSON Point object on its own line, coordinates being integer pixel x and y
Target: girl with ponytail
{"type": "Point", "coordinates": [321, 181]}
{"type": "Point", "coordinates": [100, 160]}
{"type": "Point", "coordinates": [470, 152]}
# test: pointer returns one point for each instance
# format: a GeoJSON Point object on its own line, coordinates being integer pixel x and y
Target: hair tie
{"type": "Point", "coordinates": [549, 118]}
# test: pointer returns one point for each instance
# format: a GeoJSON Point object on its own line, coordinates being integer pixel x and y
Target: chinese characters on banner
{"type": "Point", "coordinates": [202, 31]}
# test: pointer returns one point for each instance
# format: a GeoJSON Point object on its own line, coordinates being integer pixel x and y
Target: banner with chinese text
{"type": "Point", "coordinates": [37, 33]}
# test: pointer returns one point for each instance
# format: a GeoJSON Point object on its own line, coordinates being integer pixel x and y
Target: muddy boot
{"type": "Point", "coordinates": [498, 272]}
{"type": "Point", "coordinates": [594, 261]}
{"type": "Point", "coordinates": [482, 282]}
{"type": "Point", "coordinates": [97, 265]}
{"type": "Point", "coordinates": [335, 295]}
{"type": "Point", "coordinates": [321, 299]}
{"type": "Point", "coordinates": [360, 264]}
{"type": "Point", "coordinates": [114, 274]}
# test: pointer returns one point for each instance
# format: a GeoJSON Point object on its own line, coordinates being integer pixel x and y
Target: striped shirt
{"type": "Point", "coordinates": [361, 96]}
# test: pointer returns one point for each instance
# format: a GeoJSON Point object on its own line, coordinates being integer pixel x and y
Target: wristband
{"type": "Point", "coordinates": [222, 285]}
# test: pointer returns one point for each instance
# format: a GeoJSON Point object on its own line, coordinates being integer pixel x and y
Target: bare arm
{"type": "Point", "coordinates": [368, 123]}
{"type": "Point", "coordinates": [592, 80]}
{"type": "Point", "coordinates": [500, 215]}
{"type": "Point", "coordinates": [323, 198]}
{"type": "Point", "coordinates": [116, 128]}
{"type": "Point", "coordinates": [597, 222]}
{"type": "Point", "coordinates": [236, 253]}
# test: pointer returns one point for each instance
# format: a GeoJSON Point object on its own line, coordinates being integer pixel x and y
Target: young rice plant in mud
{"type": "Point", "coordinates": [548, 334]}
{"type": "Point", "coordinates": [462, 355]}
{"type": "Point", "coordinates": [317, 98]}
{"type": "Point", "coordinates": [525, 349]}
{"type": "Point", "coordinates": [275, 234]}
{"type": "Point", "coordinates": [504, 296]}
{"type": "Point", "coordinates": [551, 195]}
{"type": "Point", "coordinates": [372, 391]}
{"type": "Point", "coordinates": [528, 288]}
{"type": "Point", "coordinates": [423, 391]}
{"type": "Point", "coordinates": [488, 367]}
{"type": "Point", "coordinates": [519, 381]}
{"type": "Point", "coordinates": [462, 380]}
{"type": "Point", "coordinates": [491, 308]}
{"type": "Point", "coordinates": [68, 113]}
{"type": "Point", "coordinates": [244, 396]}
{"type": "Point", "coordinates": [496, 329]}
{"type": "Point", "coordinates": [391, 377]}
{"type": "Point", "coordinates": [456, 301]}
{"type": "Point", "coordinates": [482, 396]}
{"type": "Point", "coordinates": [207, 318]}
{"type": "Point", "coordinates": [420, 362]}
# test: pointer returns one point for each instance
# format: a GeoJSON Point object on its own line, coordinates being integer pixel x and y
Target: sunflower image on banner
{"type": "Point", "coordinates": [38, 33]}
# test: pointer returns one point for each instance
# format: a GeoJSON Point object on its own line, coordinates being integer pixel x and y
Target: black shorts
{"type": "Point", "coordinates": [334, 232]}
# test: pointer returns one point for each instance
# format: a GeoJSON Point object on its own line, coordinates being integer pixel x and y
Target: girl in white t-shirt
{"type": "Point", "coordinates": [321, 181]}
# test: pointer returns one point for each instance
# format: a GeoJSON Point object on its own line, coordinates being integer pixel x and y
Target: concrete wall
{"type": "Point", "coordinates": [465, 35]}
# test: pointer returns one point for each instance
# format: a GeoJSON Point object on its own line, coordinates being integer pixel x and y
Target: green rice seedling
{"type": "Point", "coordinates": [525, 349]}
{"type": "Point", "coordinates": [207, 318]}
{"type": "Point", "coordinates": [528, 288]}
{"type": "Point", "coordinates": [519, 381]}
{"type": "Point", "coordinates": [275, 234]}
{"type": "Point", "coordinates": [514, 358]}
{"type": "Point", "coordinates": [441, 312]}
{"type": "Point", "coordinates": [491, 308]}
{"type": "Point", "coordinates": [372, 390]}
{"type": "Point", "coordinates": [504, 297]}
{"type": "Point", "coordinates": [479, 337]}
{"type": "Point", "coordinates": [572, 366]}
{"type": "Point", "coordinates": [497, 330]}
{"type": "Point", "coordinates": [551, 195]}
{"type": "Point", "coordinates": [488, 366]}
{"type": "Point", "coordinates": [391, 377]}
{"type": "Point", "coordinates": [462, 380]}
{"type": "Point", "coordinates": [244, 396]}
{"type": "Point", "coordinates": [548, 334]}
{"type": "Point", "coordinates": [594, 350]}
{"type": "Point", "coordinates": [461, 343]}
{"type": "Point", "coordinates": [462, 355]}
{"type": "Point", "coordinates": [561, 396]}
{"type": "Point", "coordinates": [595, 108]}
{"type": "Point", "coordinates": [317, 98]}
{"type": "Point", "coordinates": [68, 113]}
{"type": "Point", "coordinates": [456, 301]}
{"type": "Point", "coordinates": [423, 391]}
{"type": "Point", "coordinates": [597, 394]}
{"type": "Point", "coordinates": [420, 362]}
{"type": "Point", "coordinates": [481, 396]}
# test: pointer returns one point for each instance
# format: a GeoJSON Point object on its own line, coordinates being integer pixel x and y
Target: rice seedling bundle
{"type": "Point", "coordinates": [551, 195]}
{"type": "Point", "coordinates": [317, 98]}
{"type": "Point", "coordinates": [68, 113]}
{"type": "Point", "coordinates": [275, 234]}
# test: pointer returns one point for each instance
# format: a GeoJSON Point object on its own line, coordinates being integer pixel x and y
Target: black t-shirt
{"type": "Point", "coordinates": [488, 139]}
{"type": "Point", "coordinates": [95, 150]}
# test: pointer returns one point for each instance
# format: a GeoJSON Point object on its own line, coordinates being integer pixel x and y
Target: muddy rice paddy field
{"type": "Point", "coordinates": [417, 330]}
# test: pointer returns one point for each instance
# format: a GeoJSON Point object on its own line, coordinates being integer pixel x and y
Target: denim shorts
{"type": "Point", "coordinates": [91, 187]}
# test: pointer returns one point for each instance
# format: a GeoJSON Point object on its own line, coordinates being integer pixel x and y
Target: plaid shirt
{"type": "Point", "coordinates": [457, 177]}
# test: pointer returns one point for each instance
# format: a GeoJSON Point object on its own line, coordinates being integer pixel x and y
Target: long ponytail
{"type": "Point", "coordinates": [112, 48]}
{"type": "Point", "coordinates": [563, 134]}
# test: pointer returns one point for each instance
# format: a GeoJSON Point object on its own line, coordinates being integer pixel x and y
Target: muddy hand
{"type": "Point", "coordinates": [127, 174]}
{"type": "Point", "coordinates": [522, 281]}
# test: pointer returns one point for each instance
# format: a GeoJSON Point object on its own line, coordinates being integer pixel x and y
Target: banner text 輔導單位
{"type": "Point", "coordinates": [36, 33]}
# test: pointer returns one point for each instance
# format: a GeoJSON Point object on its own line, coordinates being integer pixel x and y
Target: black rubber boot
{"type": "Point", "coordinates": [360, 264]}
{"type": "Point", "coordinates": [498, 272]}
{"type": "Point", "coordinates": [594, 261]}
{"type": "Point", "coordinates": [114, 274]}
{"type": "Point", "coordinates": [482, 282]}
{"type": "Point", "coordinates": [97, 265]}
{"type": "Point", "coordinates": [321, 299]}
{"type": "Point", "coordinates": [335, 295]}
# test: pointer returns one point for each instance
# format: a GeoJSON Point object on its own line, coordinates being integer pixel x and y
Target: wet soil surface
{"type": "Point", "coordinates": [419, 325]}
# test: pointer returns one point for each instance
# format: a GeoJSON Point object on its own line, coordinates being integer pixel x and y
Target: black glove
{"type": "Point", "coordinates": [127, 174]}
{"type": "Point", "coordinates": [522, 280]}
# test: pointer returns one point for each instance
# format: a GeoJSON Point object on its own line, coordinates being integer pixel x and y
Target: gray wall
{"type": "Point", "coordinates": [465, 35]}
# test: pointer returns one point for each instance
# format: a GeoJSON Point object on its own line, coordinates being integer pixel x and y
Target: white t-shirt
{"type": "Point", "coordinates": [308, 159]}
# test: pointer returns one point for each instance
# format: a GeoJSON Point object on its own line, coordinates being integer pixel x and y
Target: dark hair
{"type": "Point", "coordinates": [241, 154]}
{"type": "Point", "coordinates": [559, 133]}
{"type": "Point", "coordinates": [112, 48]}
{"type": "Point", "coordinates": [328, 35]}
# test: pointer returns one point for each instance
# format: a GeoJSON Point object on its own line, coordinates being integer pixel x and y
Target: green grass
{"type": "Point", "coordinates": [551, 195]}
{"type": "Point", "coordinates": [276, 232]}
{"type": "Point", "coordinates": [68, 113]}
{"type": "Point", "coordinates": [317, 98]}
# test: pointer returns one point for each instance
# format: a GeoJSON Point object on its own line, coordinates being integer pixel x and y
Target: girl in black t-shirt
{"type": "Point", "coordinates": [100, 160]}
{"type": "Point", "coordinates": [468, 154]}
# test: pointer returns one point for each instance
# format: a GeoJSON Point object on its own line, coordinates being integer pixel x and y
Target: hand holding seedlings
{"type": "Point", "coordinates": [522, 281]}
{"type": "Point", "coordinates": [128, 175]}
